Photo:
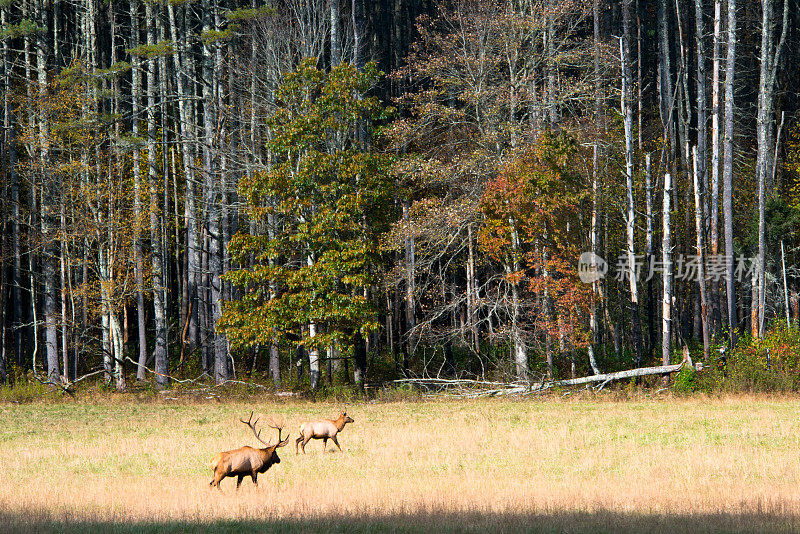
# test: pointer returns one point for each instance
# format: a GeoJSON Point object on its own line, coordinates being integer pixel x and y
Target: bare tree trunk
{"type": "Point", "coordinates": [180, 66]}
{"type": "Point", "coordinates": [701, 93]}
{"type": "Point", "coordinates": [651, 330]}
{"type": "Point", "coordinates": [359, 28]}
{"type": "Point", "coordinates": [136, 84]}
{"type": "Point", "coordinates": [212, 196]}
{"type": "Point", "coordinates": [164, 216]}
{"type": "Point", "coordinates": [684, 105]}
{"type": "Point", "coordinates": [593, 323]}
{"type": "Point", "coordinates": [159, 287]}
{"type": "Point", "coordinates": [62, 260]}
{"type": "Point", "coordinates": [472, 296]}
{"type": "Point", "coordinates": [359, 360]}
{"type": "Point", "coordinates": [47, 203]}
{"type": "Point", "coordinates": [520, 353]}
{"type": "Point", "coordinates": [699, 217]}
{"type": "Point", "coordinates": [770, 57]}
{"type": "Point", "coordinates": [715, 146]}
{"type": "Point", "coordinates": [552, 104]}
{"type": "Point", "coordinates": [666, 256]}
{"type": "Point", "coordinates": [274, 365]}
{"type": "Point", "coordinates": [627, 115]}
{"type": "Point", "coordinates": [336, 44]}
{"type": "Point", "coordinates": [598, 106]}
{"type": "Point", "coordinates": [665, 73]}
{"type": "Point", "coordinates": [639, 84]}
{"type": "Point", "coordinates": [9, 164]}
{"type": "Point", "coordinates": [410, 308]}
{"type": "Point", "coordinates": [3, 296]}
{"type": "Point", "coordinates": [727, 170]}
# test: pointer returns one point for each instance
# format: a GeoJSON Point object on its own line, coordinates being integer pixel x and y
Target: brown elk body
{"type": "Point", "coordinates": [246, 461]}
{"type": "Point", "coordinates": [323, 430]}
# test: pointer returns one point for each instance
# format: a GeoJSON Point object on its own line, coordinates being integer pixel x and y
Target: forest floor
{"type": "Point", "coordinates": [578, 465]}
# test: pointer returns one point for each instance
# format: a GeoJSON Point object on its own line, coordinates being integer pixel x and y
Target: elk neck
{"type": "Point", "coordinates": [340, 422]}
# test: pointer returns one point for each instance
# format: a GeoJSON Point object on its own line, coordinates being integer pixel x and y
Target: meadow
{"type": "Point", "coordinates": [555, 465]}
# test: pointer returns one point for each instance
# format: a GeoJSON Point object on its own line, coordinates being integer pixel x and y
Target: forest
{"type": "Point", "coordinates": [319, 193]}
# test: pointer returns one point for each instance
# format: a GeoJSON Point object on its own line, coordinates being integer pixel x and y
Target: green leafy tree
{"type": "Point", "coordinates": [320, 210]}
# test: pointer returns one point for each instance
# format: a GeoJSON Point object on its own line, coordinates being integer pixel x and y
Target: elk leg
{"type": "Point", "coordinates": [303, 445]}
{"type": "Point", "coordinates": [324, 443]}
{"type": "Point", "coordinates": [215, 480]}
{"type": "Point", "coordinates": [239, 481]}
{"type": "Point", "coordinates": [297, 443]}
{"type": "Point", "coordinates": [254, 476]}
{"type": "Point", "coordinates": [336, 441]}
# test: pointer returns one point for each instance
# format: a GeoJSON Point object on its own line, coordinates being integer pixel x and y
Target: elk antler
{"type": "Point", "coordinates": [253, 428]}
{"type": "Point", "coordinates": [279, 427]}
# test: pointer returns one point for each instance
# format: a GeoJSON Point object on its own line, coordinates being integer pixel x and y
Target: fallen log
{"type": "Point", "coordinates": [482, 388]}
{"type": "Point", "coordinates": [631, 373]}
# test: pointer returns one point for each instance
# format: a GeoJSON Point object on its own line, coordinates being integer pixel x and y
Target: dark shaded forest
{"type": "Point", "coordinates": [330, 192]}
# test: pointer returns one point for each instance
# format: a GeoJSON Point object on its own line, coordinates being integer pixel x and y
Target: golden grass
{"type": "Point", "coordinates": [731, 464]}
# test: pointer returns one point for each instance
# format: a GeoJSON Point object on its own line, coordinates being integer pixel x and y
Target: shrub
{"type": "Point", "coordinates": [770, 365]}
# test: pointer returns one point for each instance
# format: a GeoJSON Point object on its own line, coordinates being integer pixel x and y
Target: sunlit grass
{"type": "Point", "coordinates": [730, 463]}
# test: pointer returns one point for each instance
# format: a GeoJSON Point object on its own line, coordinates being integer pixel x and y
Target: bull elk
{"type": "Point", "coordinates": [247, 461]}
{"type": "Point", "coordinates": [321, 430]}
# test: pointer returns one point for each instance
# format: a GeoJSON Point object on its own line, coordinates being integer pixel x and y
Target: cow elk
{"type": "Point", "coordinates": [247, 461]}
{"type": "Point", "coordinates": [323, 430]}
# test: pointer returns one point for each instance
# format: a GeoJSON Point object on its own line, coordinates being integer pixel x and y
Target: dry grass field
{"type": "Point", "coordinates": [580, 465]}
